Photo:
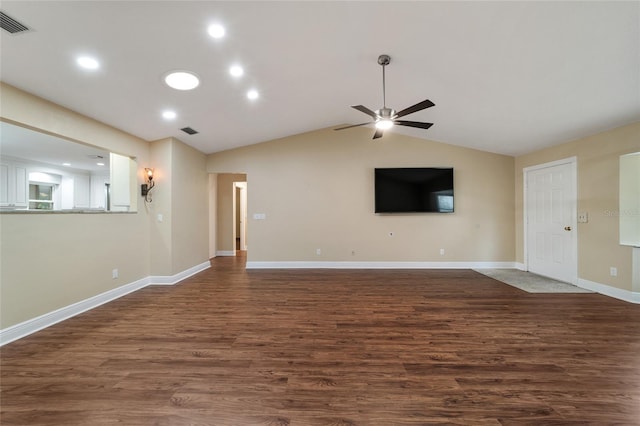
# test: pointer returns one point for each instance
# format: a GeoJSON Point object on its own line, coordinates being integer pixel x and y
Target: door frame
{"type": "Point", "coordinates": [573, 162]}
{"type": "Point", "coordinates": [242, 186]}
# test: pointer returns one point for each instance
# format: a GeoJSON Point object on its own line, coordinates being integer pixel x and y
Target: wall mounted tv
{"type": "Point", "coordinates": [414, 190]}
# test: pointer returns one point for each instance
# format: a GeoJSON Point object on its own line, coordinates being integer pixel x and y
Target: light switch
{"type": "Point", "coordinates": [583, 217]}
{"type": "Point", "coordinates": [259, 216]}
{"type": "Point", "coordinates": [160, 218]}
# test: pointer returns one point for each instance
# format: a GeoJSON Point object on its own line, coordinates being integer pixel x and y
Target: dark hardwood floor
{"type": "Point", "coordinates": [331, 347]}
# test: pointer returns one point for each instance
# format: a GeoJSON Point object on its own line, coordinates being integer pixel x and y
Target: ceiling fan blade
{"type": "Point", "coordinates": [377, 134]}
{"type": "Point", "coordinates": [354, 125]}
{"type": "Point", "coordinates": [415, 108]}
{"type": "Point", "coordinates": [418, 124]}
{"type": "Point", "coordinates": [366, 110]}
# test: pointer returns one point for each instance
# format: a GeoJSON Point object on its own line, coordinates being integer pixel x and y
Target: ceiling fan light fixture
{"type": "Point", "coordinates": [384, 124]}
{"type": "Point", "coordinates": [385, 118]}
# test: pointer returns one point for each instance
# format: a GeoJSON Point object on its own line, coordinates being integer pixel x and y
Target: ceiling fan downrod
{"type": "Point", "coordinates": [384, 112]}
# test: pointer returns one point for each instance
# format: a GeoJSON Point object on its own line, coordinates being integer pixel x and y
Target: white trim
{"type": "Point", "coordinates": [225, 253]}
{"type": "Point", "coordinates": [520, 266]}
{"type": "Point", "coordinates": [30, 326]}
{"type": "Point", "coordinates": [376, 265]}
{"type": "Point", "coordinates": [25, 328]}
{"type": "Point", "coordinates": [607, 290]}
{"type": "Point", "coordinates": [174, 279]}
{"type": "Point", "coordinates": [573, 161]}
{"type": "Point", "coordinates": [568, 160]}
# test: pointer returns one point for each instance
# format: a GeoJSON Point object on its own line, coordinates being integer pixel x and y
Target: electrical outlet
{"type": "Point", "coordinates": [114, 273]}
{"type": "Point", "coordinates": [318, 252]}
{"type": "Point", "coordinates": [441, 252]}
{"type": "Point", "coordinates": [613, 271]}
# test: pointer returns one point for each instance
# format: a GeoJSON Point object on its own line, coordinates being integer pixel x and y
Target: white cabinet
{"type": "Point", "coordinates": [14, 186]}
{"type": "Point", "coordinates": [81, 192]}
{"type": "Point", "coordinates": [75, 192]}
{"type": "Point", "coordinates": [123, 173]}
{"type": "Point", "coordinates": [99, 192]}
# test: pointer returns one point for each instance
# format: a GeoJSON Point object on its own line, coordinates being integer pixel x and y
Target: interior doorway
{"type": "Point", "coordinates": [240, 215]}
{"type": "Point", "coordinates": [550, 217]}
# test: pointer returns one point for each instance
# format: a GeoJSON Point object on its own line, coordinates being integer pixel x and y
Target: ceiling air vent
{"type": "Point", "coordinates": [189, 130]}
{"type": "Point", "coordinates": [11, 25]}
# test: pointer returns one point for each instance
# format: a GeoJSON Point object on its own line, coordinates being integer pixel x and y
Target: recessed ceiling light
{"type": "Point", "coordinates": [216, 31]}
{"type": "Point", "coordinates": [88, 63]}
{"type": "Point", "coordinates": [182, 80]}
{"type": "Point", "coordinates": [169, 115]}
{"type": "Point", "coordinates": [236, 71]}
{"type": "Point", "coordinates": [253, 94]}
{"type": "Point", "coordinates": [100, 164]}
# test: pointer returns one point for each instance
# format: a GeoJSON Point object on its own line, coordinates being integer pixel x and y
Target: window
{"type": "Point", "coordinates": [40, 196]}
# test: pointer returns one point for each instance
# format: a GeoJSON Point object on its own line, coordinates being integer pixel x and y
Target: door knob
{"type": "Point", "coordinates": [567, 228]}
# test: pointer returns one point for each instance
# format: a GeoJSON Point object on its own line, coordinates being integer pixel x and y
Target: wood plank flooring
{"type": "Point", "coordinates": [331, 347]}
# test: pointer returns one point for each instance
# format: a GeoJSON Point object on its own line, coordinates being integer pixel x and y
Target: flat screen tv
{"type": "Point", "coordinates": [414, 190]}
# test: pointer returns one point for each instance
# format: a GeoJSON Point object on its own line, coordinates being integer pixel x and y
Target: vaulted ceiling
{"type": "Point", "coordinates": [506, 77]}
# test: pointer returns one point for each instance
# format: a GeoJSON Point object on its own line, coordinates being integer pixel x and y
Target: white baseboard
{"type": "Point", "coordinates": [520, 266]}
{"type": "Point", "coordinates": [225, 253]}
{"type": "Point", "coordinates": [376, 265]}
{"type": "Point", "coordinates": [25, 328]}
{"type": "Point", "coordinates": [30, 326]}
{"type": "Point", "coordinates": [174, 279]}
{"type": "Point", "coordinates": [607, 290]}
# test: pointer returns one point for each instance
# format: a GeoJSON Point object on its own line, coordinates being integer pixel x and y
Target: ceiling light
{"type": "Point", "coordinates": [169, 115]}
{"type": "Point", "coordinates": [216, 31]}
{"type": "Point", "coordinates": [253, 94]}
{"type": "Point", "coordinates": [66, 164]}
{"type": "Point", "coordinates": [88, 63]}
{"type": "Point", "coordinates": [384, 124]}
{"type": "Point", "coordinates": [182, 80]}
{"type": "Point", "coordinates": [236, 71]}
{"type": "Point", "coordinates": [100, 164]}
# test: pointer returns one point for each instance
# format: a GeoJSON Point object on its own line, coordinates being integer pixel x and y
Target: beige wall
{"type": "Point", "coordinates": [189, 207]}
{"type": "Point", "coordinates": [316, 190]}
{"type": "Point", "coordinates": [48, 261]}
{"type": "Point", "coordinates": [598, 182]}
{"type": "Point", "coordinates": [180, 239]}
{"type": "Point", "coordinates": [161, 231]}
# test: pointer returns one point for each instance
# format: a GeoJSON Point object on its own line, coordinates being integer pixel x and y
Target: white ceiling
{"type": "Point", "coordinates": [506, 77]}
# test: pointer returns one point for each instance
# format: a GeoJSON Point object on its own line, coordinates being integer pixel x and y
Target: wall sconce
{"type": "Point", "coordinates": [147, 187]}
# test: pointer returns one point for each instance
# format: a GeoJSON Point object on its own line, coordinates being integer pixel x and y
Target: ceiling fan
{"type": "Point", "coordinates": [385, 118]}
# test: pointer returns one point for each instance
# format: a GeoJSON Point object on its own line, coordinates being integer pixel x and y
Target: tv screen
{"type": "Point", "coordinates": [414, 190]}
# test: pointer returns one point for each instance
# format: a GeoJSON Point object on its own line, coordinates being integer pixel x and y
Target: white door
{"type": "Point", "coordinates": [550, 215]}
